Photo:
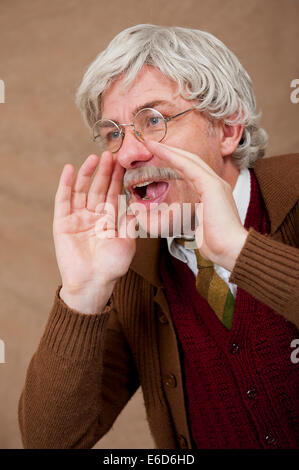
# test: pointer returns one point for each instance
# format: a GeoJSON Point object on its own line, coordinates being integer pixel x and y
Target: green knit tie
{"type": "Point", "coordinates": [216, 292]}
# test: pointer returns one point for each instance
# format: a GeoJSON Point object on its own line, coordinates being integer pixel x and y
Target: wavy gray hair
{"type": "Point", "coordinates": [201, 65]}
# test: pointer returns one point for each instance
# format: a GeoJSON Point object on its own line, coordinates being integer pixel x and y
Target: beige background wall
{"type": "Point", "coordinates": [45, 46]}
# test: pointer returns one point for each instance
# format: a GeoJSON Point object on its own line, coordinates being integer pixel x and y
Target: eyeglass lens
{"type": "Point", "coordinates": [148, 124]}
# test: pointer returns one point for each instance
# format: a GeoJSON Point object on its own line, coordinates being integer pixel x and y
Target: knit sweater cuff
{"type": "Point", "coordinates": [268, 270]}
{"type": "Point", "coordinates": [72, 334]}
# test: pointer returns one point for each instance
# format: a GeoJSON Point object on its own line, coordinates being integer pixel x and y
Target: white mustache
{"type": "Point", "coordinates": [148, 173]}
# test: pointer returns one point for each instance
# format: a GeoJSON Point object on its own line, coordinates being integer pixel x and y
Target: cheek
{"type": "Point", "coordinates": [181, 191]}
{"type": "Point", "coordinates": [176, 191]}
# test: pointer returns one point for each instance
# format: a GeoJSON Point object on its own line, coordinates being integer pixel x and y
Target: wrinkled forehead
{"type": "Point", "coordinates": [149, 85]}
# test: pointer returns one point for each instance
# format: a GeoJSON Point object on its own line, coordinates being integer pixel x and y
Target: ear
{"type": "Point", "coordinates": [230, 136]}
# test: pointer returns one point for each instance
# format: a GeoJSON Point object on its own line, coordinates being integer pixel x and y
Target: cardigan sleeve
{"type": "Point", "coordinates": [78, 380]}
{"type": "Point", "coordinates": [269, 270]}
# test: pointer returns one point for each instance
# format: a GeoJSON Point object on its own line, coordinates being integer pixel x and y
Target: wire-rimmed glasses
{"type": "Point", "coordinates": [148, 123]}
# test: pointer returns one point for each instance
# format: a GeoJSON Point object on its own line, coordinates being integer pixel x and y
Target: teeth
{"type": "Point", "coordinates": [139, 185]}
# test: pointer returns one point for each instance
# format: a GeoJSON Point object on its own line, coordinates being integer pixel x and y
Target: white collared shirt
{"type": "Point", "coordinates": [241, 194]}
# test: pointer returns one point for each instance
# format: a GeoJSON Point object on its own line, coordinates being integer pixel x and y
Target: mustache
{"type": "Point", "coordinates": [145, 173]}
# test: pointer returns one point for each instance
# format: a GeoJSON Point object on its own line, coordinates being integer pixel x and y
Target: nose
{"type": "Point", "coordinates": [133, 152]}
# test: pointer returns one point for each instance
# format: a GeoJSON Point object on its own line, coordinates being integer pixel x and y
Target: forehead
{"type": "Point", "coordinates": [149, 85]}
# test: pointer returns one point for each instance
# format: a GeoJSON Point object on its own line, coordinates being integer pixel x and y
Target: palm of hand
{"type": "Point", "coordinates": [85, 254]}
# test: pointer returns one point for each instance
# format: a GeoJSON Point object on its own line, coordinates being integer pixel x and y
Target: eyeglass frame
{"type": "Point", "coordinates": [122, 133]}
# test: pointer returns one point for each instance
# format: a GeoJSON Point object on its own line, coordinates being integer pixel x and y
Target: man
{"type": "Point", "coordinates": [207, 332]}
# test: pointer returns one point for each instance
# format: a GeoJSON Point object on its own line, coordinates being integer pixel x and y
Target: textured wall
{"type": "Point", "coordinates": [44, 49]}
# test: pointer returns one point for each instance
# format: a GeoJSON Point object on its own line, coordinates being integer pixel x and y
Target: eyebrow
{"type": "Point", "coordinates": [150, 104]}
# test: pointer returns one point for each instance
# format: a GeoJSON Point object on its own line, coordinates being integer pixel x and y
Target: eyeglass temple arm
{"type": "Point", "coordinates": [179, 114]}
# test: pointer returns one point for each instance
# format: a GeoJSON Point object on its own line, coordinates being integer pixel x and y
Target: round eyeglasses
{"type": "Point", "coordinates": [148, 123]}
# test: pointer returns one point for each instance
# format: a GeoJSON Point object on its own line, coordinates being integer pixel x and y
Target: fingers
{"type": "Point", "coordinates": [110, 204]}
{"type": "Point", "coordinates": [187, 163]}
{"type": "Point", "coordinates": [106, 185]}
{"type": "Point", "coordinates": [81, 185]}
{"type": "Point", "coordinates": [116, 184]}
{"type": "Point", "coordinates": [100, 185]}
{"type": "Point", "coordinates": [63, 195]}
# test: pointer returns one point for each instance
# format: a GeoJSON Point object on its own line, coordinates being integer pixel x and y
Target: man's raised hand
{"type": "Point", "coordinates": [89, 262]}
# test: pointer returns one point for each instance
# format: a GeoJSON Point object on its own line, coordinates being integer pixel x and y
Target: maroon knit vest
{"type": "Point", "coordinates": [241, 387]}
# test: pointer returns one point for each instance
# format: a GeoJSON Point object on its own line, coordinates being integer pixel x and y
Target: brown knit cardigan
{"type": "Point", "coordinates": [87, 367]}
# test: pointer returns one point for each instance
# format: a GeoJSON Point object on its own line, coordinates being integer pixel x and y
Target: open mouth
{"type": "Point", "coordinates": [149, 190]}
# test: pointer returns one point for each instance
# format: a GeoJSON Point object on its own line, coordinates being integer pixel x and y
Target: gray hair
{"type": "Point", "coordinates": [201, 65]}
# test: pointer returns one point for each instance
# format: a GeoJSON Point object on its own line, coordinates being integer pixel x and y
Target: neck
{"type": "Point", "coordinates": [229, 172]}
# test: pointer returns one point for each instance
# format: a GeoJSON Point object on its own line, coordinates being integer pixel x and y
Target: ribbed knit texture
{"type": "Point", "coordinates": [87, 367]}
{"type": "Point", "coordinates": [75, 336]}
{"type": "Point", "coordinates": [242, 388]}
{"type": "Point", "coordinates": [213, 288]}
